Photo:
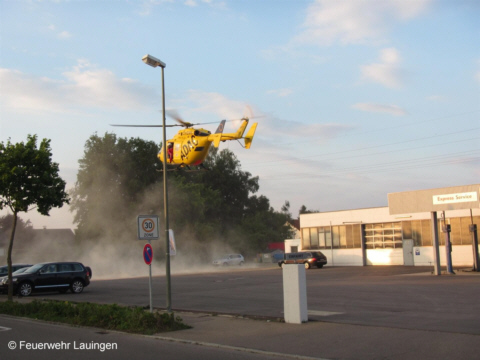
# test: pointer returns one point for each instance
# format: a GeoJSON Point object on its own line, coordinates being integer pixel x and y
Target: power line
{"type": "Point", "coordinates": [443, 159]}
{"type": "Point", "coordinates": [356, 150]}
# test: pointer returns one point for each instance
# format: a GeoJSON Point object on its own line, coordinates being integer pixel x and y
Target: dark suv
{"type": "Point", "coordinates": [307, 258]}
{"type": "Point", "coordinates": [15, 267]}
{"type": "Point", "coordinates": [53, 276]}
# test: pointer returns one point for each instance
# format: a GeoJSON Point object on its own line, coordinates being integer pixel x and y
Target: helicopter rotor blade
{"type": "Point", "coordinates": [121, 125]}
{"type": "Point", "coordinates": [248, 114]}
{"type": "Point", "coordinates": [176, 116]}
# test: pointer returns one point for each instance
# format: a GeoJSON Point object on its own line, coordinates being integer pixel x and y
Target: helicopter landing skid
{"type": "Point", "coordinates": [186, 168]}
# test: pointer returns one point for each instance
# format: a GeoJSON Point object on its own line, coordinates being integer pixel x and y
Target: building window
{"type": "Point", "coordinates": [314, 238]}
{"type": "Point", "coordinates": [459, 230]}
{"type": "Point", "coordinates": [383, 236]}
{"type": "Point", "coordinates": [336, 237]}
{"type": "Point", "coordinates": [386, 235]}
{"type": "Point", "coordinates": [420, 232]}
{"type": "Point", "coordinates": [321, 238]}
{"type": "Point", "coordinates": [306, 238]}
{"type": "Point", "coordinates": [332, 237]}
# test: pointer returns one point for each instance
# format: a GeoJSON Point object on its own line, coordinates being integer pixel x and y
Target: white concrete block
{"type": "Point", "coordinates": [295, 294]}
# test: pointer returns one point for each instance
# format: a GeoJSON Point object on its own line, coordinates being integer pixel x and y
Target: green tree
{"type": "Point", "coordinates": [28, 178]}
{"type": "Point", "coordinates": [244, 220]}
{"type": "Point", "coordinates": [23, 232]}
{"type": "Point", "coordinates": [119, 179]}
{"type": "Point", "coordinates": [113, 175]}
{"type": "Point", "coordinates": [286, 210]}
{"type": "Point", "coordinates": [263, 225]}
{"type": "Point", "coordinates": [233, 185]}
{"type": "Point", "coordinates": [304, 210]}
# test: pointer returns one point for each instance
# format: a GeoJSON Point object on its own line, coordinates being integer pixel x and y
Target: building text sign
{"type": "Point", "coordinates": [440, 199]}
{"type": "Point", "coordinates": [454, 198]}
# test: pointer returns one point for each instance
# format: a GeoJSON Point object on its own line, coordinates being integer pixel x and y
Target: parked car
{"type": "Point", "coordinates": [21, 270]}
{"type": "Point", "coordinates": [52, 276]}
{"type": "Point", "coordinates": [308, 258]}
{"type": "Point", "coordinates": [229, 259]}
{"type": "Point", "coordinates": [15, 267]}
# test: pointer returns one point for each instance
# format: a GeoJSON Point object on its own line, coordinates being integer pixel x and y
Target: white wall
{"type": "Point", "coordinates": [293, 242]}
{"type": "Point", "coordinates": [462, 255]}
{"type": "Point", "coordinates": [343, 257]}
{"type": "Point", "coordinates": [370, 216]}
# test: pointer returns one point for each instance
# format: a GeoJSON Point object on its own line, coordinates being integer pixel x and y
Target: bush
{"type": "Point", "coordinates": [111, 317]}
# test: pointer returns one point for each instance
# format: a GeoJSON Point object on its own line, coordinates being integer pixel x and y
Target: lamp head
{"type": "Point", "coordinates": [153, 61]}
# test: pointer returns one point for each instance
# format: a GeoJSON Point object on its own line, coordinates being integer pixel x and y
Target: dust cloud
{"type": "Point", "coordinates": [123, 259]}
{"type": "Point", "coordinates": [116, 251]}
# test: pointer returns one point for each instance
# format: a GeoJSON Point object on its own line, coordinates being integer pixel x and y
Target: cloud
{"type": "Point", "coordinates": [146, 7]}
{"type": "Point", "coordinates": [60, 34]}
{"type": "Point", "coordinates": [355, 22]}
{"type": "Point", "coordinates": [438, 98]}
{"type": "Point", "coordinates": [387, 72]}
{"type": "Point", "coordinates": [378, 108]}
{"type": "Point", "coordinates": [64, 35]}
{"type": "Point", "coordinates": [84, 86]}
{"type": "Point", "coordinates": [218, 104]}
{"type": "Point", "coordinates": [273, 128]}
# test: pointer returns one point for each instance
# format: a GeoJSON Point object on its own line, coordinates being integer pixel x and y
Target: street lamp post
{"type": "Point", "coordinates": [154, 62]}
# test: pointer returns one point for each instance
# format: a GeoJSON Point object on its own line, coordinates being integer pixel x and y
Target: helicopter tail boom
{"type": "Point", "coordinates": [217, 137]}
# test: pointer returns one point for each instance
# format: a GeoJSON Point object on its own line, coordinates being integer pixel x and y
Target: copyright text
{"type": "Point", "coordinates": [62, 345]}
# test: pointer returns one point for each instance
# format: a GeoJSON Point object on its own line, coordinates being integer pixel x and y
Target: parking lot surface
{"type": "Point", "coordinates": [354, 312]}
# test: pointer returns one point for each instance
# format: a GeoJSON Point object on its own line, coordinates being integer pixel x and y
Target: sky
{"type": "Point", "coordinates": [354, 99]}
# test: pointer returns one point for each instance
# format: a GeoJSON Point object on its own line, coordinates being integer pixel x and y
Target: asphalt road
{"type": "Point", "coordinates": [28, 339]}
{"type": "Point", "coordinates": [395, 297]}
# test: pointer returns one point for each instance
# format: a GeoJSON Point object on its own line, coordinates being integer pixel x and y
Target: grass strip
{"type": "Point", "coordinates": [105, 316]}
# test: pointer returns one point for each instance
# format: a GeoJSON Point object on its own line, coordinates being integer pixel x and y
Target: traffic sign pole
{"type": "Point", "coordinates": [148, 229]}
{"type": "Point", "coordinates": [148, 257]}
{"type": "Point", "coordinates": [150, 285]}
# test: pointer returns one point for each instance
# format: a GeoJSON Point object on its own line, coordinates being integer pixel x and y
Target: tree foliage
{"type": "Point", "coordinates": [28, 178]}
{"type": "Point", "coordinates": [304, 210]}
{"type": "Point", "coordinates": [23, 231]}
{"type": "Point", "coordinates": [118, 180]}
{"type": "Point", "coordinates": [113, 174]}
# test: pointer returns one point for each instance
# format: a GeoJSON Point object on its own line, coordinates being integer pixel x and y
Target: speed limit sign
{"type": "Point", "coordinates": [148, 227]}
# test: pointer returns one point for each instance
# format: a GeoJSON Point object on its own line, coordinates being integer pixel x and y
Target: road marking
{"type": "Point", "coordinates": [4, 328]}
{"type": "Point", "coordinates": [323, 313]}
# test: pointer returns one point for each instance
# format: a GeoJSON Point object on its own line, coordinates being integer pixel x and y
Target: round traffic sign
{"type": "Point", "coordinates": [148, 225]}
{"type": "Point", "coordinates": [147, 254]}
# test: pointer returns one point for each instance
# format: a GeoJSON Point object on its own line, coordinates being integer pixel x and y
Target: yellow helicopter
{"type": "Point", "coordinates": [189, 147]}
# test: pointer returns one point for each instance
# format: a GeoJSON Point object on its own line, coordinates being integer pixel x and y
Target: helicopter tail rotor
{"type": "Point", "coordinates": [249, 137]}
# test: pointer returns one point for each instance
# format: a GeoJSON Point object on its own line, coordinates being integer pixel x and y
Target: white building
{"type": "Point", "coordinates": [382, 236]}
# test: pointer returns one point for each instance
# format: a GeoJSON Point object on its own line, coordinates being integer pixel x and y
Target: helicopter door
{"type": "Point", "coordinates": [177, 153]}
